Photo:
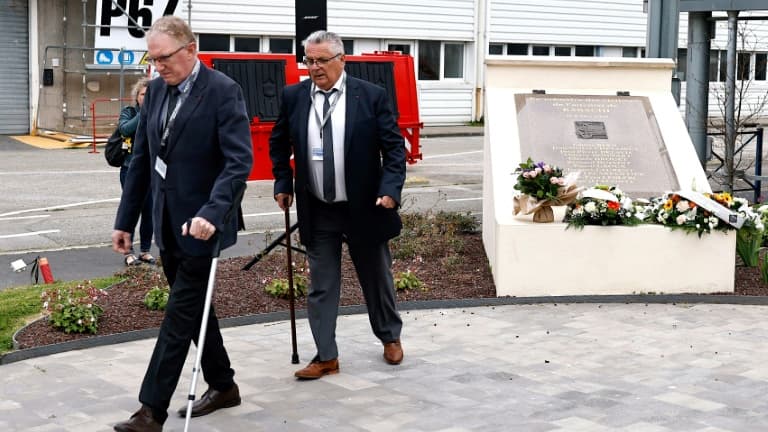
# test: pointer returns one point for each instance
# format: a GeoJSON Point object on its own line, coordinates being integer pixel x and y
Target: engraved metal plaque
{"type": "Point", "coordinates": [609, 140]}
{"type": "Point", "coordinates": [590, 130]}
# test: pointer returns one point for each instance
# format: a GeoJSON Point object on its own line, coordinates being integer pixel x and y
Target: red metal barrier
{"type": "Point", "coordinates": [95, 117]}
{"type": "Point", "coordinates": [263, 76]}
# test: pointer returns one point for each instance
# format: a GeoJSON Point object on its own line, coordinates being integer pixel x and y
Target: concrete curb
{"type": "Point", "coordinates": [96, 341]}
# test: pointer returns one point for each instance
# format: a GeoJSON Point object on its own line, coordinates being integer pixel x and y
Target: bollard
{"type": "Point", "coordinates": [45, 269]}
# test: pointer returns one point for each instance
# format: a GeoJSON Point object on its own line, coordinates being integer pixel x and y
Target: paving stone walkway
{"type": "Point", "coordinates": [546, 367]}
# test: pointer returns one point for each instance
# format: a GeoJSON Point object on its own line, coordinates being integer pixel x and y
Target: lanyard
{"type": "Point", "coordinates": [321, 123]}
{"type": "Point", "coordinates": [183, 93]}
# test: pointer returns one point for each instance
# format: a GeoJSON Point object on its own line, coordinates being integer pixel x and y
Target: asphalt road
{"type": "Point", "coordinates": [61, 204]}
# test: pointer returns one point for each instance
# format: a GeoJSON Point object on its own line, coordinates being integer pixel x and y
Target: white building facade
{"type": "Point", "coordinates": [449, 40]}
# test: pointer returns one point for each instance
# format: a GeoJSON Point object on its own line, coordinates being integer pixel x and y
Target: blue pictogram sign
{"type": "Point", "coordinates": [104, 57]}
{"type": "Point", "coordinates": [125, 57]}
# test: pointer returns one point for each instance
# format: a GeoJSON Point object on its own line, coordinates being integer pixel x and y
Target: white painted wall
{"type": "Point", "coordinates": [372, 24]}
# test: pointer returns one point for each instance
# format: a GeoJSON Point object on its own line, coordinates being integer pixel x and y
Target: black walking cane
{"type": "Point", "coordinates": [288, 229]}
{"type": "Point", "coordinates": [238, 189]}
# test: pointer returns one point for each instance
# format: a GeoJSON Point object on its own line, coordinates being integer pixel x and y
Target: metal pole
{"type": "Point", "coordinates": [697, 81]}
{"type": "Point", "coordinates": [189, 13]}
{"type": "Point", "coordinates": [653, 36]}
{"type": "Point", "coordinates": [730, 99]}
{"type": "Point", "coordinates": [758, 163]}
{"type": "Point", "coordinates": [122, 76]}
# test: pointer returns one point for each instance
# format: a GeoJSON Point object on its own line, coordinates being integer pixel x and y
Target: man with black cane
{"type": "Point", "coordinates": [349, 173]}
{"type": "Point", "coordinates": [192, 147]}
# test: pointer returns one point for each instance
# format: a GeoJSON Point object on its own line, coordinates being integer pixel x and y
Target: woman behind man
{"type": "Point", "coordinates": [128, 123]}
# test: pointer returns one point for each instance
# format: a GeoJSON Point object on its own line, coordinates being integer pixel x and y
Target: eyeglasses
{"type": "Point", "coordinates": [319, 61]}
{"type": "Point", "coordinates": [164, 58]}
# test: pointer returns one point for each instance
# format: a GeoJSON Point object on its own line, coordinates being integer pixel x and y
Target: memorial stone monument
{"type": "Point", "coordinates": [615, 122]}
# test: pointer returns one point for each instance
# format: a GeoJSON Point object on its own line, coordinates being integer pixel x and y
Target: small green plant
{"type": "Point", "coordinates": [763, 266]}
{"type": "Point", "coordinates": [157, 298]}
{"type": "Point", "coordinates": [407, 281]}
{"type": "Point", "coordinates": [748, 243]}
{"type": "Point", "coordinates": [73, 309]}
{"type": "Point", "coordinates": [279, 287]}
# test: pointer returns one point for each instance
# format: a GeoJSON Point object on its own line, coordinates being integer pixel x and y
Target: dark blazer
{"type": "Point", "coordinates": [374, 158]}
{"type": "Point", "coordinates": [209, 149]}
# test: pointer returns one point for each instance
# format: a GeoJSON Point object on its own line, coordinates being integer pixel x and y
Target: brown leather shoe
{"type": "Point", "coordinates": [213, 400]}
{"type": "Point", "coordinates": [317, 369]}
{"type": "Point", "coordinates": [393, 352]}
{"type": "Point", "coordinates": [140, 421]}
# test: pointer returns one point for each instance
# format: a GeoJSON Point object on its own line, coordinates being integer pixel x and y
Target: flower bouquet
{"type": "Point", "coordinates": [678, 212]}
{"type": "Point", "coordinates": [602, 205]}
{"type": "Point", "coordinates": [542, 186]}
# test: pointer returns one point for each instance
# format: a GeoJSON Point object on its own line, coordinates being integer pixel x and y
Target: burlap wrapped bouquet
{"type": "Point", "coordinates": [542, 186]}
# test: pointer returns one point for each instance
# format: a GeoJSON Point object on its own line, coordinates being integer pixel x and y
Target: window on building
{"type": "Point", "coordinates": [742, 66]}
{"type": "Point", "coordinates": [213, 42]}
{"type": "Point", "coordinates": [584, 51]}
{"type": "Point", "coordinates": [496, 49]}
{"type": "Point", "coordinates": [517, 49]}
{"type": "Point", "coordinates": [349, 46]}
{"type": "Point", "coordinates": [642, 52]}
{"type": "Point", "coordinates": [440, 60]}
{"type": "Point", "coordinates": [629, 52]}
{"type": "Point", "coordinates": [403, 48]}
{"type": "Point", "coordinates": [540, 50]}
{"type": "Point", "coordinates": [429, 60]}
{"type": "Point", "coordinates": [761, 60]}
{"type": "Point", "coordinates": [562, 51]}
{"type": "Point", "coordinates": [453, 60]}
{"type": "Point", "coordinates": [280, 46]}
{"type": "Point", "coordinates": [247, 44]}
{"type": "Point", "coordinates": [682, 63]}
{"type": "Point", "coordinates": [723, 66]}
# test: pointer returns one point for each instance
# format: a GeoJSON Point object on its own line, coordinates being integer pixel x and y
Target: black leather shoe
{"type": "Point", "coordinates": [140, 421]}
{"type": "Point", "coordinates": [213, 400]}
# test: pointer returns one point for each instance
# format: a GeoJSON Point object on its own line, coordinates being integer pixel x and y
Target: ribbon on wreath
{"type": "Point", "coordinates": [542, 209]}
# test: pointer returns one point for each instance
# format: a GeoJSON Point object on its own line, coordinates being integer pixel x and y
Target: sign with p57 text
{"type": "Point", "coordinates": [118, 32]}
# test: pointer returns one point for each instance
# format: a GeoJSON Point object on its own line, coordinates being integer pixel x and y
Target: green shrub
{"type": "Point", "coordinates": [73, 309]}
{"type": "Point", "coordinates": [763, 265]}
{"type": "Point", "coordinates": [432, 234]}
{"type": "Point", "coordinates": [279, 287]}
{"type": "Point", "coordinates": [748, 243]}
{"type": "Point", "coordinates": [407, 281]}
{"type": "Point", "coordinates": [157, 298]}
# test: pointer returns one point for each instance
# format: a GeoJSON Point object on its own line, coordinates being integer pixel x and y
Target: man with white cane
{"type": "Point", "coordinates": [193, 145]}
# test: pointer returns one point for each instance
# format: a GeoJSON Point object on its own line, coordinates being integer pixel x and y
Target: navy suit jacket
{"type": "Point", "coordinates": [374, 158]}
{"type": "Point", "coordinates": [208, 151]}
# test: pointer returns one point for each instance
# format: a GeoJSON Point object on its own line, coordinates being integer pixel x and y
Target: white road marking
{"type": "Point", "coordinates": [452, 154]}
{"type": "Point", "coordinates": [42, 209]}
{"type": "Point", "coordinates": [28, 173]}
{"type": "Point", "coordinates": [28, 234]}
{"type": "Point", "coordinates": [464, 199]}
{"type": "Point", "coordinates": [24, 217]}
{"type": "Point", "coordinates": [267, 214]}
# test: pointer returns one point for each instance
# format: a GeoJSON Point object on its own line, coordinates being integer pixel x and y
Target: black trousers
{"type": "Point", "coordinates": [373, 263]}
{"type": "Point", "coordinates": [188, 279]}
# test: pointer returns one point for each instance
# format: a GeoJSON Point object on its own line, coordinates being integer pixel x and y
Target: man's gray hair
{"type": "Point", "coordinates": [321, 36]}
{"type": "Point", "coordinates": [174, 27]}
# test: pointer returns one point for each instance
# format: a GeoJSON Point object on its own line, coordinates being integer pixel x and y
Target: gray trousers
{"type": "Point", "coordinates": [373, 264]}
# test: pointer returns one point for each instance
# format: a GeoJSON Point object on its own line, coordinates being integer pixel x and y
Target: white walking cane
{"type": "Point", "coordinates": [238, 191]}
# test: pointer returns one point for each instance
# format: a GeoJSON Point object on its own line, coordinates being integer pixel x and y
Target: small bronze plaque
{"type": "Point", "coordinates": [590, 130]}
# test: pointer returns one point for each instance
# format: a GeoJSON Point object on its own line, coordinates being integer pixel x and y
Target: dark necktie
{"type": "Point", "coordinates": [173, 97]}
{"type": "Point", "coordinates": [329, 176]}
